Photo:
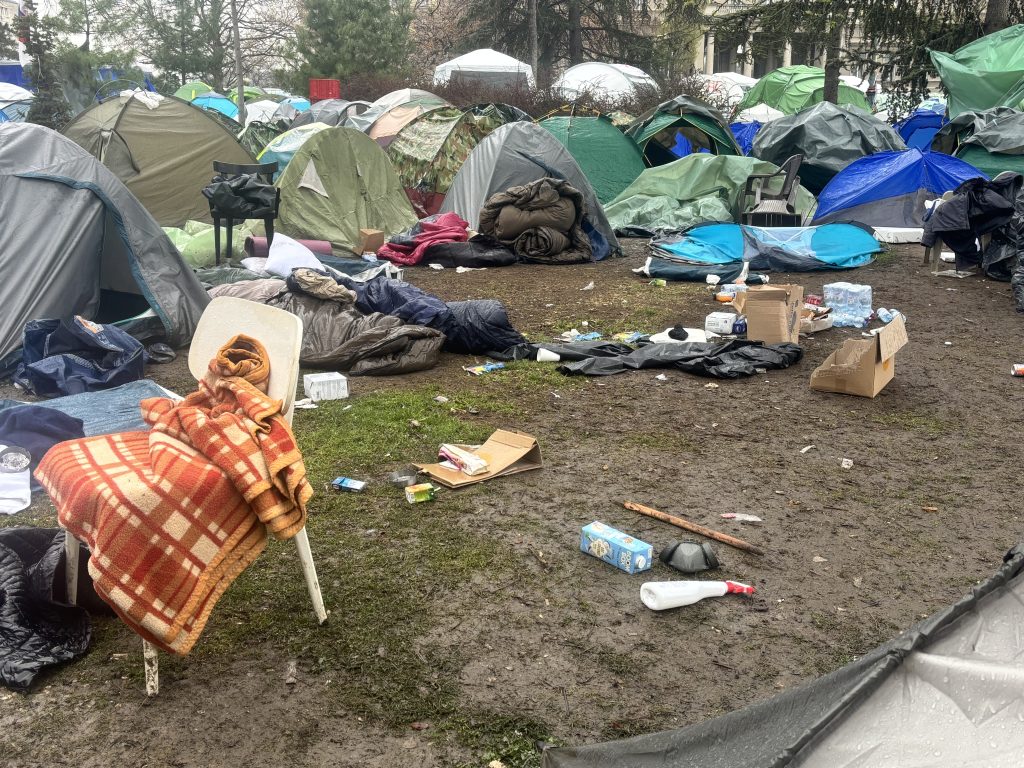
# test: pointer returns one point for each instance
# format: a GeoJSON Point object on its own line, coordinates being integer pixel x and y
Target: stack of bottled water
{"type": "Point", "coordinates": [850, 303]}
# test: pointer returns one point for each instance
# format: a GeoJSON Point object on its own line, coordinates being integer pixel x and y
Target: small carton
{"type": "Point", "coordinates": [615, 547]}
{"type": "Point", "coordinates": [348, 484]}
{"type": "Point", "coordinates": [421, 492]}
{"type": "Point", "coordinates": [773, 312]}
{"type": "Point", "coordinates": [370, 240]}
{"type": "Point", "coordinates": [719, 322]}
{"type": "Point", "coordinates": [862, 366]}
{"type": "Point", "coordinates": [325, 386]}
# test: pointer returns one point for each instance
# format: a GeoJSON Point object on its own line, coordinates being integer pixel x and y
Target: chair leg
{"type": "Point", "coordinates": [151, 662]}
{"type": "Point", "coordinates": [231, 224]}
{"type": "Point", "coordinates": [216, 240]}
{"type": "Point", "coordinates": [268, 226]}
{"type": "Point", "coordinates": [309, 571]}
{"type": "Point", "coordinates": [72, 548]}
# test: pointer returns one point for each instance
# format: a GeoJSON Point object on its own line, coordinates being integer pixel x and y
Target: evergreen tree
{"type": "Point", "coordinates": [342, 38]}
{"type": "Point", "coordinates": [8, 42]}
{"type": "Point", "coordinates": [49, 107]}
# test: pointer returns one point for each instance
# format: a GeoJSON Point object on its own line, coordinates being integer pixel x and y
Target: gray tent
{"type": "Point", "coordinates": [518, 153]}
{"type": "Point", "coordinates": [945, 692]}
{"type": "Point", "coordinates": [77, 242]}
{"type": "Point", "coordinates": [829, 138]}
{"type": "Point", "coordinates": [330, 111]}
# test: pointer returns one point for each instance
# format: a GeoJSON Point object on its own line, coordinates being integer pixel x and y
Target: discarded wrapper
{"type": "Point", "coordinates": [480, 370]}
{"type": "Point", "coordinates": [467, 462]}
{"type": "Point", "coordinates": [1017, 370]}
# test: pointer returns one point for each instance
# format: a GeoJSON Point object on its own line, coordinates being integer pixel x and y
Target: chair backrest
{"type": "Point", "coordinates": [791, 167]}
{"type": "Point", "coordinates": [229, 170]}
{"type": "Point", "coordinates": [279, 331]}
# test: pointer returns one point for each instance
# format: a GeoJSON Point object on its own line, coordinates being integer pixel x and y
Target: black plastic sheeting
{"type": "Point", "coordinates": [480, 252]}
{"type": "Point", "coordinates": [36, 631]}
{"type": "Point", "coordinates": [242, 197]}
{"type": "Point", "coordinates": [725, 360]}
{"type": "Point", "coordinates": [785, 730]}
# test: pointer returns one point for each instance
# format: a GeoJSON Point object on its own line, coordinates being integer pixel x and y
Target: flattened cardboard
{"type": "Point", "coordinates": [862, 367]}
{"type": "Point", "coordinates": [370, 240]}
{"type": "Point", "coordinates": [505, 452]}
{"type": "Point", "coordinates": [773, 312]}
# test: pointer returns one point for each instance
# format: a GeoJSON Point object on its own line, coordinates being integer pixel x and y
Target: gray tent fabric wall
{"type": "Point", "coordinates": [518, 153]}
{"type": "Point", "coordinates": [945, 692]}
{"type": "Point", "coordinates": [72, 229]}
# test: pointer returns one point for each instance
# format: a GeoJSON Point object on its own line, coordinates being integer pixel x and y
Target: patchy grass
{"type": "Point", "coordinates": [914, 421]}
{"type": "Point", "coordinates": [512, 740]}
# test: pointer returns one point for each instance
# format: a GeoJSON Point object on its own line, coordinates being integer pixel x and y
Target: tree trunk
{"type": "Point", "coordinates": [832, 65]}
{"type": "Point", "coordinates": [238, 64]}
{"type": "Point", "coordinates": [996, 15]}
{"type": "Point", "coordinates": [575, 33]}
{"type": "Point", "coordinates": [533, 42]}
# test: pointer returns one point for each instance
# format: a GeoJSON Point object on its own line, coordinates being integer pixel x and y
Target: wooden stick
{"type": "Point", "coordinates": [686, 525]}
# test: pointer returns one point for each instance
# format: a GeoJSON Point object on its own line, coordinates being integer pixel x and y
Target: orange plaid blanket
{"type": "Point", "coordinates": [172, 516]}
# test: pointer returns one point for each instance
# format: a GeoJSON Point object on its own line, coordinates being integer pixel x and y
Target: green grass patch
{"type": "Point", "coordinates": [512, 740]}
{"type": "Point", "coordinates": [925, 423]}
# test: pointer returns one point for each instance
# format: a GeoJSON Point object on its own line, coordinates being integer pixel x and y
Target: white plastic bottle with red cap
{"type": "Point", "coordinates": [662, 595]}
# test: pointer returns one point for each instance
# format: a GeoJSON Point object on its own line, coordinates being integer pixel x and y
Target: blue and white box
{"type": "Point", "coordinates": [616, 548]}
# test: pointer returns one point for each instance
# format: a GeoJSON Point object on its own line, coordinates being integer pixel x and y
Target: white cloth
{"type": "Point", "coordinates": [287, 254]}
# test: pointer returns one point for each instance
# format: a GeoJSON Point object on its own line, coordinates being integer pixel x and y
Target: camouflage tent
{"type": "Point", "coordinates": [428, 152]}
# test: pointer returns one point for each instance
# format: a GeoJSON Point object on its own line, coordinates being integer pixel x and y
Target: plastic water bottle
{"type": "Point", "coordinates": [887, 315]}
{"type": "Point", "coordinates": [662, 595]}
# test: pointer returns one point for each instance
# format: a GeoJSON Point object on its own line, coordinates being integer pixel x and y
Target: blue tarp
{"type": "Point", "coordinates": [887, 175]}
{"type": "Point", "coordinates": [12, 72]}
{"type": "Point", "coordinates": [683, 147]}
{"type": "Point", "coordinates": [918, 130]}
{"type": "Point", "coordinates": [744, 134]}
{"type": "Point", "coordinates": [218, 103]}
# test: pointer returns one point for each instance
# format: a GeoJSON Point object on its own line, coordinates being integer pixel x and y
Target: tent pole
{"type": "Point", "coordinates": [238, 64]}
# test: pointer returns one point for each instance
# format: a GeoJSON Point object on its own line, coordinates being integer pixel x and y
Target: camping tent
{"type": "Point", "coordinates": [281, 149]}
{"type": "Point", "coordinates": [15, 111]}
{"type": "Point", "coordinates": [339, 182]}
{"type": "Point", "coordinates": [889, 189]}
{"type": "Point", "coordinates": [191, 90]}
{"type": "Point", "coordinates": [430, 150]}
{"type": "Point", "coordinates": [657, 131]}
{"type": "Point", "coordinates": [919, 128]}
{"type": "Point", "coordinates": [992, 141]}
{"type": "Point", "coordinates": [94, 250]}
{"type": "Point", "coordinates": [986, 73]}
{"type": "Point", "coordinates": [945, 692]}
{"type": "Point", "coordinates": [11, 92]}
{"type": "Point", "coordinates": [693, 189]}
{"type": "Point", "coordinates": [262, 111]}
{"type": "Point", "coordinates": [518, 153]}
{"type": "Point", "coordinates": [791, 89]}
{"type": "Point", "coordinates": [330, 111]}
{"type": "Point", "coordinates": [218, 103]}
{"type": "Point", "coordinates": [728, 87]}
{"type": "Point", "coordinates": [161, 147]}
{"type": "Point", "coordinates": [393, 111]}
{"type": "Point", "coordinates": [603, 80]}
{"type": "Point", "coordinates": [484, 67]}
{"type": "Point", "coordinates": [829, 138]}
{"type": "Point", "coordinates": [610, 160]}
{"type": "Point", "coordinates": [255, 136]}
{"type": "Point", "coordinates": [252, 93]}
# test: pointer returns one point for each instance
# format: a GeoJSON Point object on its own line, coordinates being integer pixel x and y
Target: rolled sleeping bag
{"type": "Point", "coordinates": [258, 247]}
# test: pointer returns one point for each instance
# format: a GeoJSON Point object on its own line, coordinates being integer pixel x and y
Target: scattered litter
{"type": "Point", "coordinates": [414, 424]}
{"type": "Point", "coordinates": [662, 595]}
{"type": "Point", "coordinates": [846, 463]}
{"type": "Point", "coordinates": [947, 257]}
{"type": "Point", "coordinates": [329, 385]}
{"type": "Point", "coordinates": [291, 674]}
{"type": "Point", "coordinates": [440, 399]}
{"type": "Point", "coordinates": [686, 525]}
{"type": "Point", "coordinates": [661, 377]}
{"type": "Point", "coordinates": [304, 404]}
{"type": "Point", "coordinates": [592, 336]}
{"type": "Point", "coordinates": [712, 280]}
{"type": "Point", "coordinates": [466, 462]}
{"type": "Point", "coordinates": [615, 547]}
{"type": "Point", "coordinates": [953, 273]}
{"type": "Point", "coordinates": [659, 282]}
{"type": "Point", "coordinates": [556, 395]}
{"type": "Point", "coordinates": [585, 323]}
{"type": "Point", "coordinates": [403, 478]}
{"type": "Point", "coordinates": [805, 449]}
{"type": "Point", "coordinates": [496, 764]}
{"type": "Point", "coordinates": [712, 385]}
{"type": "Point", "coordinates": [414, 494]}
{"type": "Point", "coordinates": [929, 509]}
{"type": "Point", "coordinates": [741, 517]}
{"type": "Point", "coordinates": [505, 453]}
{"type": "Point", "coordinates": [627, 337]}
{"type": "Point", "coordinates": [346, 408]}
{"type": "Point", "coordinates": [348, 484]}
{"type": "Point", "coordinates": [819, 559]}
{"type": "Point", "coordinates": [588, 287]}
{"type": "Point", "coordinates": [948, 343]}
{"type": "Point", "coordinates": [858, 581]}
{"type": "Point", "coordinates": [462, 270]}
{"type": "Point", "coordinates": [689, 556]}
{"type": "Point", "coordinates": [480, 370]}
{"type": "Point", "coordinates": [548, 306]}
{"type": "Point", "coordinates": [1017, 369]}
{"type": "Point", "coordinates": [888, 315]}
{"type": "Point", "coordinates": [419, 726]}
{"type": "Point", "coordinates": [435, 266]}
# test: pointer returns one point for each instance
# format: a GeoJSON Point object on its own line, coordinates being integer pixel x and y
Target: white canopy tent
{"type": "Point", "coordinates": [485, 66]}
{"type": "Point", "coordinates": [730, 86]}
{"type": "Point", "coordinates": [602, 79]}
{"type": "Point", "coordinates": [10, 92]}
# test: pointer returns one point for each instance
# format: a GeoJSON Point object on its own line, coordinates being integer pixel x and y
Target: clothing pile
{"type": "Point", "coordinates": [541, 221]}
{"type": "Point", "coordinates": [174, 515]}
{"type": "Point", "coordinates": [409, 247]}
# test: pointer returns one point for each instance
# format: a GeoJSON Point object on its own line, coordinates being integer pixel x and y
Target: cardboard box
{"type": "Point", "coordinates": [370, 240]}
{"type": "Point", "coordinates": [616, 548]}
{"type": "Point", "coordinates": [719, 322]}
{"type": "Point", "coordinates": [773, 312]}
{"type": "Point", "coordinates": [862, 366]}
{"type": "Point", "coordinates": [505, 453]}
{"type": "Point", "coordinates": [325, 386]}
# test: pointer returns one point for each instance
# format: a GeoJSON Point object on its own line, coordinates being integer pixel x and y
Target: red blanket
{"type": "Point", "coordinates": [443, 228]}
{"type": "Point", "coordinates": [174, 515]}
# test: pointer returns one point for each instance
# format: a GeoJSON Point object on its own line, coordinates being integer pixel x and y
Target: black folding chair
{"type": "Point", "coordinates": [227, 171]}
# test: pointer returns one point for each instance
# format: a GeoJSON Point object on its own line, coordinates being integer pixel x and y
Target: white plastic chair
{"type": "Point", "coordinates": [280, 333]}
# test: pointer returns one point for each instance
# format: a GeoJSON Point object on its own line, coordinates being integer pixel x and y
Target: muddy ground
{"type": "Point", "coordinates": [465, 630]}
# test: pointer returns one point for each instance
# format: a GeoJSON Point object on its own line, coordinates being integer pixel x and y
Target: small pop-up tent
{"type": "Point", "coordinates": [339, 182]}
{"type": "Point", "coordinates": [992, 141]}
{"type": "Point", "coordinates": [11, 92]}
{"type": "Point", "coordinates": [252, 93]}
{"type": "Point", "coordinates": [945, 692]}
{"type": "Point", "coordinates": [330, 112]}
{"type": "Point", "coordinates": [890, 189]}
{"type": "Point", "coordinates": [430, 150]}
{"type": "Point", "coordinates": [986, 73]}
{"type": "Point", "coordinates": [192, 90]}
{"type": "Point", "coordinates": [281, 149]}
{"type": "Point", "coordinates": [101, 256]}
{"type": "Point", "coordinates": [218, 103]}
{"type": "Point", "coordinates": [610, 159]}
{"type": "Point", "coordinates": [658, 130]}
{"type": "Point", "coordinates": [919, 128]}
{"type": "Point", "coordinates": [518, 153]}
{"type": "Point", "coordinates": [485, 67]}
{"type": "Point", "coordinates": [829, 138]}
{"type": "Point", "coordinates": [728, 87]}
{"type": "Point", "coordinates": [791, 89]}
{"type": "Point", "coordinates": [365, 120]}
{"type": "Point", "coordinates": [602, 80]}
{"type": "Point", "coordinates": [161, 147]}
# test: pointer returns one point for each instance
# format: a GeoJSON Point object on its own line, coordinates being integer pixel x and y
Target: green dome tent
{"type": "Point", "coordinates": [252, 93]}
{"type": "Point", "coordinates": [657, 130]}
{"type": "Point", "coordinates": [281, 149]}
{"type": "Point", "coordinates": [609, 159]}
{"type": "Point", "coordinates": [429, 151]}
{"type": "Point", "coordinates": [986, 73]}
{"type": "Point", "coordinates": [339, 182]}
{"type": "Point", "coordinates": [192, 90]}
{"type": "Point", "coordinates": [162, 148]}
{"type": "Point", "coordinates": [791, 89]}
{"type": "Point", "coordinates": [992, 141]}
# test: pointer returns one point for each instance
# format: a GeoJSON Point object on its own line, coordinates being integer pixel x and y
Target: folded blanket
{"type": "Point", "coordinates": [408, 248]}
{"type": "Point", "coordinates": [174, 515]}
{"type": "Point", "coordinates": [528, 218]}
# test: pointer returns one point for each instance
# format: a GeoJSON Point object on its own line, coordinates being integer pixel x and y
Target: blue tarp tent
{"type": "Point", "coordinates": [889, 189]}
{"type": "Point", "coordinates": [217, 103]}
{"type": "Point", "coordinates": [918, 130]}
{"type": "Point", "coordinates": [744, 134]}
{"type": "Point", "coordinates": [12, 72]}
